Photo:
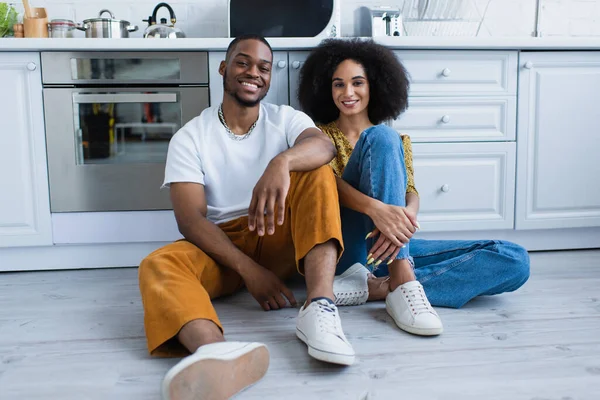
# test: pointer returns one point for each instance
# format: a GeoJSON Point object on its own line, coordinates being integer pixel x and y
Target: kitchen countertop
{"type": "Point", "coordinates": [215, 44]}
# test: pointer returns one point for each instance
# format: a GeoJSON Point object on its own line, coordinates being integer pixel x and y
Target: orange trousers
{"type": "Point", "coordinates": [178, 281]}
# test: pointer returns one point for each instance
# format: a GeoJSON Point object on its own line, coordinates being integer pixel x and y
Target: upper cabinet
{"type": "Point", "coordinates": [558, 166]}
{"type": "Point", "coordinates": [24, 199]}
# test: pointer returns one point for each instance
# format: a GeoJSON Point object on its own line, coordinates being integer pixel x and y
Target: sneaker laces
{"type": "Point", "coordinates": [326, 317]}
{"type": "Point", "coordinates": [417, 300]}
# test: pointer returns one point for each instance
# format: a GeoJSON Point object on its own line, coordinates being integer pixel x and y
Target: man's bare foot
{"type": "Point", "coordinates": [378, 287]}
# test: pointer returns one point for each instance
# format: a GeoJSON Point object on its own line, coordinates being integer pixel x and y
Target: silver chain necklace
{"type": "Point", "coordinates": [230, 133]}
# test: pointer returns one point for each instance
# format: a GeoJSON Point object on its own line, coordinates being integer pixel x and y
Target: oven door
{"type": "Point", "coordinates": [107, 147]}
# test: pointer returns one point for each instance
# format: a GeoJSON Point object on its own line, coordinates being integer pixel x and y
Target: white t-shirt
{"type": "Point", "coordinates": [202, 152]}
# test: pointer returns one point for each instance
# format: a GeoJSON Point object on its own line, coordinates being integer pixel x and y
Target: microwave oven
{"type": "Point", "coordinates": [284, 18]}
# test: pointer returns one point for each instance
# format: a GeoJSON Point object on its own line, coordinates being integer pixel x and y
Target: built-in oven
{"type": "Point", "coordinates": [109, 118]}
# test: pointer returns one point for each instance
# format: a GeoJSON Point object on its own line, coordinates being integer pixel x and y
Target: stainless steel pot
{"type": "Point", "coordinates": [106, 27]}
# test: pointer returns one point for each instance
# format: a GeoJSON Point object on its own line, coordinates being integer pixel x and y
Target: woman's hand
{"type": "Point", "coordinates": [395, 227]}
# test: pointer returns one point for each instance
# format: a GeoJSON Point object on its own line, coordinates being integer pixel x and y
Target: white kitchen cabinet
{"type": "Point", "coordinates": [278, 92]}
{"type": "Point", "coordinates": [453, 73]}
{"type": "Point", "coordinates": [296, 61]}
{"type": "Point", "coordinates": [558, 178]}
{"type": "Point", "coordinates": [459, 119]}
{"type": "Point", "coordinates": [24, 199]}
{"type": "Point", "coordinates": [465, 186]}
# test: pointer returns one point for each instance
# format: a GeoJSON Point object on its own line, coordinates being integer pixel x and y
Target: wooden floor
{"type": "Point", "coordinates": [79, 335]}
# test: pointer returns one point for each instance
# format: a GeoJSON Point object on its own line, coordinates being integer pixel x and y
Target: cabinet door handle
{"type": "Point", "coordinates": [31, 66]}
{"type": "Point", "coordinates": [446, 72]}
{"type": "Point", "coordinates": [446, 119]}
{"type": "Point", "coordinates": [281, 64]}
{"type": "Point", "coordinates": [445, 188]}
{"type": "Point", "coordinates": [296, 64]}
{"type": "Point", "coordinates": [528, 65]}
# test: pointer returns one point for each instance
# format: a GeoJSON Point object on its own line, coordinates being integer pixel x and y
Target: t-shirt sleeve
{"type": "Point", "coordinates": [297, 124]}
{"type": "Point", "coordinates": [183, 161]}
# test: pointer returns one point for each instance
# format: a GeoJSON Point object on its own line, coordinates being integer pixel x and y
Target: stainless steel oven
{"type": "Point", "coordinates": [109, 118]}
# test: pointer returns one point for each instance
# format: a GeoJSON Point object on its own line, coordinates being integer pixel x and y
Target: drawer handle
{"type": "Point", "coordinates": [281, 64]}
{"type": "Point", "coordinates": [445, 188]}
{"type": "Point", "coordinates": [296, 64]}
{"type": "Point", "coordinates": [446, 119]}
{"type": "Point", "coordinates": [528, 65]}
{"type": "Point", "coordinates": [31, 66]}
{"type": "Point", "coordinates": [446, 72]}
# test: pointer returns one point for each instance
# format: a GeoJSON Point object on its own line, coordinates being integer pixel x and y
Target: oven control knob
{"type": "Point", "coordinates": [31, 66]}
{"type": "Point", "coordinates": [281, 64]}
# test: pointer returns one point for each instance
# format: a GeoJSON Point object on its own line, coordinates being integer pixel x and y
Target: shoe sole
{"type": "Point", "coordinates": [218, 379]}
{"type": "Point", "coordinates": [414, 330]}
{"type": "Point", "coordinates": [333, 358]}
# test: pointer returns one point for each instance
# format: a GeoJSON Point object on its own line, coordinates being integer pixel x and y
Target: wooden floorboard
{"type": "Point", "coordinates": [79, 335]}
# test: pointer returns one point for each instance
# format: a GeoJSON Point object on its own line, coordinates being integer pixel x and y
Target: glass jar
{"type": "Point", "coordinates": [61, 28]}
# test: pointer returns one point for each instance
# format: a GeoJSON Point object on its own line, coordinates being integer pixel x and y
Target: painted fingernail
{"type": "Point", "coordinates": [370, 260]}
{"type": "Point", "coordinates": [368, 235]}
{"type": "Point", "coordinates": [418, 225]}
{"type": "Point", "coordinates": [377, 263]}
{"type": "Point", "coordinates": [391, 261]}
{"type": "Point", "coordinates": [369, 256]}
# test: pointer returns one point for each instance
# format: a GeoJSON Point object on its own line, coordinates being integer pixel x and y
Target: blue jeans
{"type": "Point", "coordinates": [452, 272]}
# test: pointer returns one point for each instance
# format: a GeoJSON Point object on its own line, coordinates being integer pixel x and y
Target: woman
{"type": "Point", "coordinates": [350, 87]}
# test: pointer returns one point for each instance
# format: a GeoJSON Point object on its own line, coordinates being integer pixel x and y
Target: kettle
{"type": "Point", "coordinates": [162, 30]}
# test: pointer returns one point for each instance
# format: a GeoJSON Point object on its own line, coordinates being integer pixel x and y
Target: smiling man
{"type": "Point", "coordinates": [255, 201]}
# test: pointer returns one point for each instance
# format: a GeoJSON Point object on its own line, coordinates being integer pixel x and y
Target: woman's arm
{"type": "Point", "coordinates": [354, 199]}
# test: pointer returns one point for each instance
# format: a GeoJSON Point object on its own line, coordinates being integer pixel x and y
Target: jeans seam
{"type": "Point", "coordinates": [469, 256]}
{"type": "Point", "coordinates": [454, 265]}
{"type": "Point", "coordinates": [435, 253]}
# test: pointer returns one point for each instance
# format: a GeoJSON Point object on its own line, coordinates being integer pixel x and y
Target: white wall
{"type": "Point", "coordinates": [208, 18]}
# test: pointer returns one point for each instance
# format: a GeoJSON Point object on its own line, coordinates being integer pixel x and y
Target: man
{"type": "Point", "coordinates": [255, 201]}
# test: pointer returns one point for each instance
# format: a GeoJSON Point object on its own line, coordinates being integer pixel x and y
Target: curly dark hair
{"type": "Point", "coordinates": [388, 79]}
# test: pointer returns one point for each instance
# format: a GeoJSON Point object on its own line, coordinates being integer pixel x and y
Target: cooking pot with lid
{"type": "Point", "coordinates": [106, 27]}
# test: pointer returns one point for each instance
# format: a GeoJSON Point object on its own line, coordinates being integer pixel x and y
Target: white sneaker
{"type": "Point", "coordinates": [411, 310]}
{"type": "Point", "coordinates": [350, 288]}
{"type": "Point", "coordinates": [319, 326]}
{"type": "Point", "coordinates": [216, 371]}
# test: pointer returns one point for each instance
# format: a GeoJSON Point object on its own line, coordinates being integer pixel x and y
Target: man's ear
{"type": "Point", "coordinates": [222, 67]}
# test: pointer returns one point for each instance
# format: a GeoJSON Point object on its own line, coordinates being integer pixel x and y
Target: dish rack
{"type": "Point", "coordinates": [443, 17]}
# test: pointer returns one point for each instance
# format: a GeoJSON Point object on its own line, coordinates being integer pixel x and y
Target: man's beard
{"type": "Point", "coordinates": [242, 102]}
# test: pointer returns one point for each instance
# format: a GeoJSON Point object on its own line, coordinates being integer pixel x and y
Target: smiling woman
{"type": "Point", "coordinates": [352, 87]}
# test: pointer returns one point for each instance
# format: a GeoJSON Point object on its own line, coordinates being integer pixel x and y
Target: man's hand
{"type": "Point", "coordinates": [270, 193]}
{"type": "Point", "coordinates": [266, 288]}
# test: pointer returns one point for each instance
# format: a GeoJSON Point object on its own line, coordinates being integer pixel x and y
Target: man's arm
{"type": "Point", "coordinates": [189, 205]}
{"type": "Point", "coordinates": [311, 150]}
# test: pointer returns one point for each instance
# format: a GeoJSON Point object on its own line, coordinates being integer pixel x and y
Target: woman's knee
{"type": "Point", "coordinates": [518, 264]}
{"type": "Point", "coordinates": [384, 136]}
